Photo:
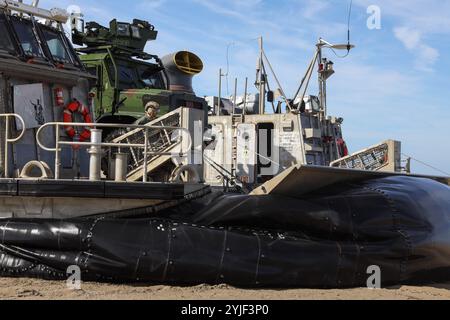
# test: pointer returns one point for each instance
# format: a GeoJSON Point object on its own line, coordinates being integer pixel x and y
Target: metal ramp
{"type": "Point", "coordinates": [385, 156]}
{"type": "Point", "coordinates": [299, 180]}
{"type": "Point", "coordinates": [162, 143]}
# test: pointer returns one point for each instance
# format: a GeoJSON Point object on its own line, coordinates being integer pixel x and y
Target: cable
{"type": "Point", "coordinates": [228, 65]}
{"type": "Point", "coordinates": [276, 79]}
{"type": "Point", "coordinates": [426, 164]}
{"type": "Point", "coordinates": [339, 56]}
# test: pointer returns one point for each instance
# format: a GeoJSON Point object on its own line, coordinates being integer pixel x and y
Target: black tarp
{"type": "Point", "coordinates": [327, 239]}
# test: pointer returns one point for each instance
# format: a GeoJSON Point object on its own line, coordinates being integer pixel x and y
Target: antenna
{"type": "Point", "coordinates": [348, 25]}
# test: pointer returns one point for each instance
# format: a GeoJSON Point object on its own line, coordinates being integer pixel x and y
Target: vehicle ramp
{"type": "Point", "coordinates": [300, 180]}
{"type": "Point", "coordinates": [385, 156]}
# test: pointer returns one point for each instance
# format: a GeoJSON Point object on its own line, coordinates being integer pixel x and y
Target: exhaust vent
{"type": "Point", "coordinates": [181, 67]}
{"type": "Point", "coordinates": [188, 62]}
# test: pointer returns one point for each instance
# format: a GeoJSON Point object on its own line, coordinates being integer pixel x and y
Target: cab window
{"type": "Point", "coordinates": [128, 78]}
{"type": "Point", "coordinates": [150, 78]}
{"type": "Point", "coordinates": [132, 76]}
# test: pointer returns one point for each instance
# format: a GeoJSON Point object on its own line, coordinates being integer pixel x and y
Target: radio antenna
{"type": "Point", "coordinates": [348, 25]}
{"type": "Point", "coordinates": [349, 46]}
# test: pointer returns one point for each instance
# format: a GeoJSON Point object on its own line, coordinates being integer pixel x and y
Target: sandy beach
{"type": "Point", "coordinates": [23, 288]}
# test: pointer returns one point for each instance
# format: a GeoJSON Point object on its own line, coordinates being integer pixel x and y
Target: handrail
{"type": "Point", "coordinates": [144, 146]}
{"type": "Point", "coordinates": [7, 139]}
{"type": "Point", "coordinates": [95, 126]}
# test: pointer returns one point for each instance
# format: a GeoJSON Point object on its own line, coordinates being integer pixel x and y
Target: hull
{"type": "Point", "coordinates": [66, 199]}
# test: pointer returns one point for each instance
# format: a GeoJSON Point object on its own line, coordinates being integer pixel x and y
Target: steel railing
{"type": "Point", "coordinates": [145, 146]}
{"type": "Point", "coordinates": [9, 140]}
{"type": "Point", "coordinates": [371, 159]}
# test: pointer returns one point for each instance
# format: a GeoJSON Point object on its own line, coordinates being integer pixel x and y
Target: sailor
{"type": "Point", "coordinates": [151, 113]}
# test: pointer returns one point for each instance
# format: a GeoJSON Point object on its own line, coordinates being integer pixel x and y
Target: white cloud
{"type": "Point", "coordinates": [223, 9]}
{"type": "Point", "coordinates": [419, 20]}
{"type": "Point", "coordinates": [410, 38]}
{"type": "Point", "coordinates": [426, 56]}
{"type": "Point", "coordinates": [312, 8]}
{"type": "Point", "coordinates": [151, 4]}
{"type": "Point", "coordinates": [429, 16]}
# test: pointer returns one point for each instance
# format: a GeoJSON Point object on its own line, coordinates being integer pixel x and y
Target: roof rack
{"type": "Point", "coordinates": [120, 51]}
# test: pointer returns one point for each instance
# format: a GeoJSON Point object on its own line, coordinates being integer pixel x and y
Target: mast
{"type": "Point", "coordinates": [326, 70]}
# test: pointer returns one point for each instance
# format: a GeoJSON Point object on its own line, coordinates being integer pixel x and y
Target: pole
{"type": "Point", "coordinates": [319, 58]}
{"type": "Point", "coordinates": [244, 111]}
{"type": "Point", "coordinates": [6, 147]}
{"type": "Point", "coordinates": [262, 85]}
{"type": "Point", "coordinates": [235, 95]}
{"type": "Point", "coordinates": [95, 153]}
{"type": "Point", "coordinates": [217, 112]}
{"type": "Point", "coordinates": [57, 150]}
{"type": "Point", "coordinates": [145, 178]}
{"type": "Point", "coordinates": [121, 164]}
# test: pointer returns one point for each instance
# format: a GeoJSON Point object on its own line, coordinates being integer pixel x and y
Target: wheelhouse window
{"type": "Point", "coordinates": [6, 45]}
{"type": "Point", "coordinates": [27, 38]}
{"type": "Point", "coordinates": [56, 46]}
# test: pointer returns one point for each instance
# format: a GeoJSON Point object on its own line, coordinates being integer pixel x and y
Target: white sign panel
{"type": "Point", "coordinates": [246, 153]}
{"type": "Point", "coordinates": [29, 103]}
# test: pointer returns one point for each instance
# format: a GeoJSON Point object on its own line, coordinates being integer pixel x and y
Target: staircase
{"type": "Point", "coordinates": [161, 142]}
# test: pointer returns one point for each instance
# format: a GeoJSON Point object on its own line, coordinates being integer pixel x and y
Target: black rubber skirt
{"type": "Point", "coordinates": [329, 239]}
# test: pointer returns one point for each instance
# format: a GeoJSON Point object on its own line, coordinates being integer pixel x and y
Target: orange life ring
{"type": "Point", "coordinates": [76, 107]}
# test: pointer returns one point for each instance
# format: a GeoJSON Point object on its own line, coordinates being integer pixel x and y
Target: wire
{"type": "Point", "coordinates": [228, 65]}
{"type": "Point", "coordinates": [426, 164]}
{"type": "Point", "coordinates": [339, 56]}
{"type": "Point", "coordinates": [234, 43]}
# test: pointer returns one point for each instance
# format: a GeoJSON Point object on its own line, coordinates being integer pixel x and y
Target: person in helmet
{"type": "Point", "coordinates": [151, 113]}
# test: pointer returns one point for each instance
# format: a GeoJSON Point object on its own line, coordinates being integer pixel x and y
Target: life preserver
{"type": "Point", "coordinates": [343, 150]}
{"type": "Point", "coordinates": [76, 107]}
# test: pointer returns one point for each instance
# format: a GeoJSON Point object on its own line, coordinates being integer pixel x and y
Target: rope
{"type": "Point", "coordinates": [426, 164]}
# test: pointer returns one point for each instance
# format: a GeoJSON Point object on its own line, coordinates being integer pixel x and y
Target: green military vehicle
{"type": "Point", "coordinates": [128, 78]}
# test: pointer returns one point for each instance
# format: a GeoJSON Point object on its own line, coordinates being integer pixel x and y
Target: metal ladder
{"type": "Point", "coordinates": [236, 119]}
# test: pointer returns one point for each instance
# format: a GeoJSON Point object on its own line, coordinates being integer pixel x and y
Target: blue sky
{"type": "Point", "coordinates": [395, 84]}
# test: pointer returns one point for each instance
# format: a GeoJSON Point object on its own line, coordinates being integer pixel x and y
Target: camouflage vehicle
{"type": "Point", "coordinates": [127, 77]}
